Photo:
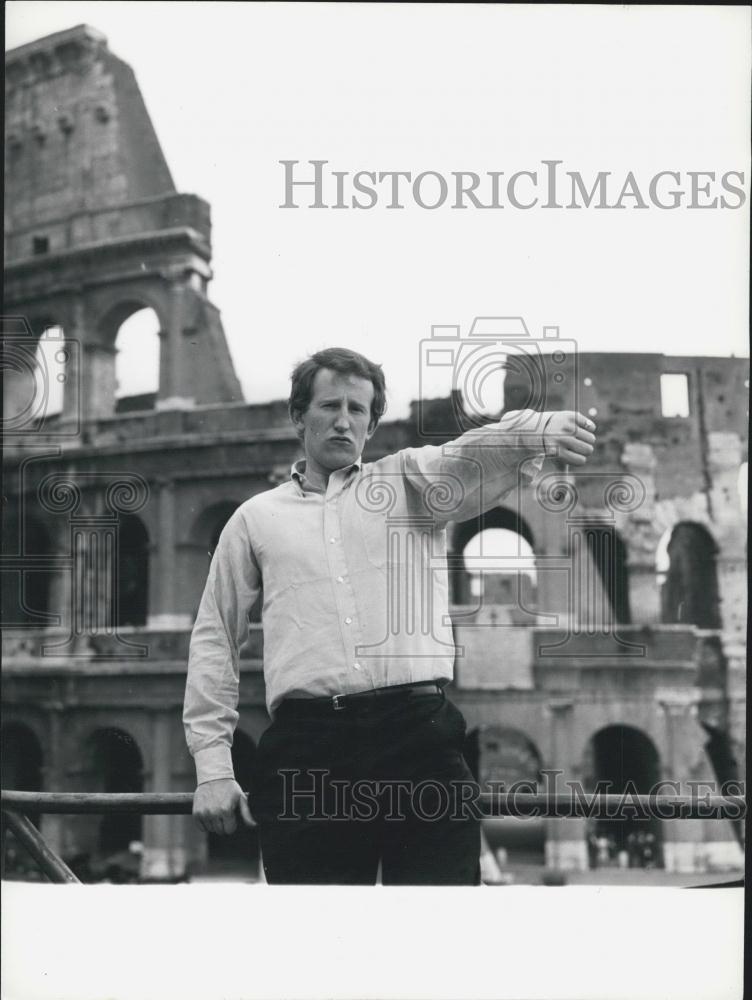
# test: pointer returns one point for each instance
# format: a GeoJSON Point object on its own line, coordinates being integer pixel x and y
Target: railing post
{"type": "Point", "coordinates": [27, 834]}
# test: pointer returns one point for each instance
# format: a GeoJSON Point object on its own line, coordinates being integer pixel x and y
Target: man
{"type": "Point", "coordinates": [362, 763]}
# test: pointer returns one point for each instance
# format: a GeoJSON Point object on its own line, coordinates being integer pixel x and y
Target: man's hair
{"type": "Point", "coordinates": [344, 361]}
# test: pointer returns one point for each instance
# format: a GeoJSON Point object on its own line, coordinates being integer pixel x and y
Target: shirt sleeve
{"type": "Point", "coordinates": [221, 627]}
{"type": "Point", "coordinates": [471, 474]}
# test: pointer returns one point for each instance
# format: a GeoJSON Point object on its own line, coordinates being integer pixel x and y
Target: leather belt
{"type": "Point", "coordinates": [359, 699]}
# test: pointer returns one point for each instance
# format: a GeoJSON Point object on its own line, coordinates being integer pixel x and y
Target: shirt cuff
{"type": "Point", "coordinates": [532, 468]}
{"type": "Point", "coordinates": [547, 449]}
{"type": "Point", "coordinates": [213, 762]}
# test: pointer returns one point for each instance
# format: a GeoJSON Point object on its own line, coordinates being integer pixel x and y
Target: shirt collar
{"type": "Point", "coordinates": [297, 469]}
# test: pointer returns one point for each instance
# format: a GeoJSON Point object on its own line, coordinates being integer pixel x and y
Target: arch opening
{"type": "Point", "coordinates": [497, 568]}
{"type": "Point", "coordinates": [137, 344]}
{"type": "Point", "coordinates": [622, 760]}
{"type": "Point", "coordinates": [131, 577]}
{"type": "Point", "coordinates": [689, 593]}
{"type": "Point", "coordinates": [21, 770]}
{"type": "Point", "coordinates": [113, 763]}
{"type": "Point", "coordinates": [507, 758]}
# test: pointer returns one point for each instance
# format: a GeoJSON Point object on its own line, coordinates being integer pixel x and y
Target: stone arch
{"type": "Point", "coordinates": [622, 759]}
{"type": "Point", "coordinates": [507, 754]}
{"type": "Point", "coordinates": [238, 852]}
{"type": "Point", "coordinates": [100, 378]}
{"type": "Point", "coordinates": [689, 594]}
{"type": "Point", "coordinates": [462, 533]}
{"type": "Point", "coordinates": [120, 307]}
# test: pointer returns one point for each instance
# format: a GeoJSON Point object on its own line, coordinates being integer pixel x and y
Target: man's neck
{"type": "Point", "coordinates": [315, 479]}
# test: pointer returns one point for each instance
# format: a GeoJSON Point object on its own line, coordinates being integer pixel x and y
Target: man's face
{"type": "Point", "coordinates": [336, 424]}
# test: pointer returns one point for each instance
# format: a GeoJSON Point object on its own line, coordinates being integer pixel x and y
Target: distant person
{"type": "Point", "coordinates": [355, 693]}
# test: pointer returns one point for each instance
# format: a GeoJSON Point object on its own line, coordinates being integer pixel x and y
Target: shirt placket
{"type": "Point", "coordinates": [347, 613]}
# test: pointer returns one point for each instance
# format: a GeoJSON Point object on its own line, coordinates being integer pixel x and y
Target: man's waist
{"type": "Point", "coordinates": [359, 700]}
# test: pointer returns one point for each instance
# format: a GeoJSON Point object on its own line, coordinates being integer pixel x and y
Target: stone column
{"type": "Point", "coordinates": [61, 579]}
{"type": "Point", "coordinates": [641, 538]}
{"type": "Point", "coordinates": [53, 825]}
{"type": "Point", "coordinates": [73, 397]}
{"type": "Point", "coordinates": [724, 461]}
{"type": "Point", "coordinates": [159, 859]}
{"type": "Point", "coordinates": [682, 838]}
{"type": "Point", "coordinates": [725, 456]}
{"type": "Point", "coordinates": [174, 391]}
{"type": "Point", "coordinates": [99, 382]}
{"type": "Point", "coordinates": [163, 612]}
{"type": "Point", "coordinates": [566, 846]}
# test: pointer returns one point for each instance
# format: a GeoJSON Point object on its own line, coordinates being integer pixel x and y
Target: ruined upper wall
{"type": "Point", "coordinates": [78, 138]}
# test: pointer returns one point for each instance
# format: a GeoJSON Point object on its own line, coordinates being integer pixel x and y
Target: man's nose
{"type": "Point", "coordinates": [343, 419]}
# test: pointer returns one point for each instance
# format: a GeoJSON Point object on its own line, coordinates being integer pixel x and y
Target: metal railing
{"type": "Point", "coordinates": [16, 806]}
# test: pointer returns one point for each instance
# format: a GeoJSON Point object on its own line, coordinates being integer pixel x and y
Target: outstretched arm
{"type": "Point", "coordinates": [479, 468]}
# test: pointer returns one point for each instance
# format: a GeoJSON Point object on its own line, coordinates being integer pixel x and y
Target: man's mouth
{"type": "Point", "coordinates": [341, 440]}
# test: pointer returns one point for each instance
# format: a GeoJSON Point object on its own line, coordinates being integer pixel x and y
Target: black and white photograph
{"type": "Point", "coordinates": [375, 471]}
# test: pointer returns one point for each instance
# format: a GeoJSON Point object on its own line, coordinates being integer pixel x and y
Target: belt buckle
{"type": "Point", "coordinates": [337, 702]}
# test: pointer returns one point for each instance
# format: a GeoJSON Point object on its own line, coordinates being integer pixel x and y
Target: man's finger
{"type": "Point", "coordinates": [245, 811]}
{"type": "Point", "coordinates": [577, 446]}
{"type": "Point", "coordinates": [227, 822]}
{"type": "Point", "coordinates": [582, 435]}
{"type": "Point", "coordinates": [209, 825]}
{"type": "Point", "coordinates": [582, 421]}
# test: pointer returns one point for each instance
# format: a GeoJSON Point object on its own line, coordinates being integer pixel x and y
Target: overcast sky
{"type": "Point", "coordinates": [233, 89]}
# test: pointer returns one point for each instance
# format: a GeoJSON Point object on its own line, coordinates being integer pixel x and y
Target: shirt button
{"type": "Point", "coordinates": [348, 621]}
{"type": "Point", "coordinates": [357, 666]}
{"type": "Point", "coordinates": [332, 540]}
{"type": "Point", "coordinates": [340, 579]}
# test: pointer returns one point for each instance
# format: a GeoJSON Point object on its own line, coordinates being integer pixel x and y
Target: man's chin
{"type": "Point", "coordinates": [341, 453]}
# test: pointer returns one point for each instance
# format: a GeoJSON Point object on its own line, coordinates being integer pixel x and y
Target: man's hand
{"type": "Point", "coordinates": [216, 804]}
{"type": "Point", "coordinates": [570, 436]}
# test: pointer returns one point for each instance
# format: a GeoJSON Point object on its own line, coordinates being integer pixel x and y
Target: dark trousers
{"type": "Point", "coordinates": [335, 792]}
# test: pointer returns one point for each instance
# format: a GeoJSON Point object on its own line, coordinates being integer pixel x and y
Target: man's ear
{"type": "Point", "coordinates": [298, 424]}
{"type": "Point", "coordinates": [371, 430]}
